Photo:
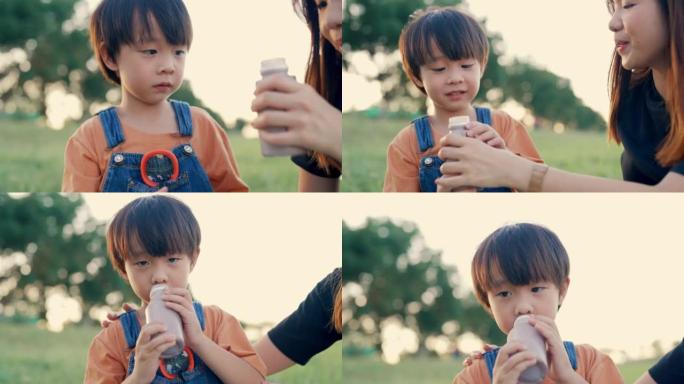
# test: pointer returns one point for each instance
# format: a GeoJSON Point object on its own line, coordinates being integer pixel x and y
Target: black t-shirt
{"type": "Point", "coordinates": [309, 330]}
{"type": "Point", "coordinates": [308, 163]}
{"type": "Point", "coordinates": [670, 368]}
{"type": "Point", "coordinates": [643, 124]}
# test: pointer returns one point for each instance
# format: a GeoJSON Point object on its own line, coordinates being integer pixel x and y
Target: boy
{"type": "Point", "coordinates": [444, 53]}
{"type": "Point", "coordinates": [155, 240]}
{"type": "Point", "coordinates": [522, 269]}
{"type": "Point", "coordinates": [147, 142]}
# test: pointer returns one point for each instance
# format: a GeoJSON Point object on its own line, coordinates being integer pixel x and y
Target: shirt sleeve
{"type": "Point", "coordinates": [309, 329]}
{"type": "Point", "coordinates": [476, 373]}
{"type": "Point", "coordinates": [81, 169]}
{"type": "Point", "coordinates": [670, 368]}
{"type": "Point", "coordinates": [106, 361]}
{"type": "Point", "coordinates": [517, 139]}
{"type": "Point", "coordinates": [225, 330]}
{"type": "Point", "coordinates": [216, 155]}
{"type": "Point", "coordinates": [402, 168]}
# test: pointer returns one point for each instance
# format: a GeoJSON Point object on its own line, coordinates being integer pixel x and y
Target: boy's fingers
{"type": "Point", "coordinates": [129, 307]}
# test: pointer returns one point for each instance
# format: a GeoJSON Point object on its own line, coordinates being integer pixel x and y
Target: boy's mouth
{"type": "Point", "coordinates": [455, 95]}
{"type": "Point", "coordinates": [166, 86]}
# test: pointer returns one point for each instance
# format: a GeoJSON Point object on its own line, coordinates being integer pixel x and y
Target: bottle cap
{"type": "Point", "coordinates": [276, 64]}
{"type": "Point", "coordinates": [458, 120]}
{"type": "Point", "coordinates": [157, 287]}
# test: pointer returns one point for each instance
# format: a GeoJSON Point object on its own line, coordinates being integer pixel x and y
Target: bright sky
{"type": "Point", "coordinates": [258, 257]}
{"type": "Point", "coordinates": [569, 38]}
{"type": "Point", "coordinates": [230, 40]}
{"type": "Point", "coordinates": [625, 255]}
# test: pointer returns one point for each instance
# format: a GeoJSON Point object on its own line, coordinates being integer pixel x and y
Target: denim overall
{"type": "Point", "coordinates": [200, 374]}
{"type": "Point", "coordinates": [429, 171]}
{"type": "Point", "coordinates": [490, 357]}
{"type": "Point", "coordinates": [123, 171]}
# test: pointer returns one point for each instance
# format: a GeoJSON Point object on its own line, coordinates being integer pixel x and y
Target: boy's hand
{"type": "Point", "coordinates": [152, 341]}
{"type": "Point", "coordinates": [180, 300]}
{"type": "Point", "coordinates": [477, 355]}
{"type": "Point", "coordinates": [112, 317]}
{"type": "Point", "coordinates": [485, 134]}
{"type": "Point", "coordinates": [512, 360]}
{"type": "Point", "coordinates": [559, 363]}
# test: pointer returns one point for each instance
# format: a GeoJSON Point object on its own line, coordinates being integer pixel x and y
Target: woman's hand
{"type": "Point", "coordinates": [312, 122]}
{"type": "Point", "coordinates": [470, 162]}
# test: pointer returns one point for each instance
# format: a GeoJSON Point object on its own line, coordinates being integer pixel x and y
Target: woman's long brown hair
{"type": "Point", "coordinates": [324, 70]}
{"type": "Point", "coordinates": [621, 80]}
{"type": "Point", "coordinates": [337, 308]}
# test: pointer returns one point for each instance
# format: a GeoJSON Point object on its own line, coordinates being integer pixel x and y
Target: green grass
{"type": "Point", "coordinates": [33, 156]}
{"type": "Point", "coordinates": [366, 141]}
{"type": "Point", "coordinates": [434, 371]}
{"type": "Point", "coordinates": [32, 355]}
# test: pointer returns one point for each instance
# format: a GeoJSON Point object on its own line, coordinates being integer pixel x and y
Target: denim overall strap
{"type": "Point", "coordinates": [424, 133]}
{"type": "Point", "coordinates": [112, 127]}
{"type": "Point", "coordinates": [183, 117]}
{"type": "Point", "coordinates": [490, 357]}
{"type": "Point", "coordinates": [484, 115]}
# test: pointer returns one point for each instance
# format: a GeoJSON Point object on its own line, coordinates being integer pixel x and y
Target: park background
{"type": "Point", "coordinates": [410, 314]}
{"type": "Point", "coordinates": [50, 83]}
{"type": "Point", "coordinates": [548, 68]}
{"type": "Point", "coordinates": [56, 282]}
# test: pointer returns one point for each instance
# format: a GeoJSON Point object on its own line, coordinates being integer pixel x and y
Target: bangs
{"type": "Point", "coordinates": [132, 22]}
{"type": "Point", "coordinates": [453, 35]}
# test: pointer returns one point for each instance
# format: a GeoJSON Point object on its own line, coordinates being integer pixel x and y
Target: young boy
{"type": "Point", "coordinates": [444, 53]}
{"type": "Point", "coordinates": [147, 142]}
{"type": "Point", "coordinates": [155, 240]}
{"type": "Point", "coordinates": [522, 269]}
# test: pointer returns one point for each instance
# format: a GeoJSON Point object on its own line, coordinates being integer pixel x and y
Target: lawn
{"type": "Point", "coordinates": [33, 155]}
{"type": "Point", "coordinates": [31, 355]}
{"type": "Point", "coordinates": [366, 140]}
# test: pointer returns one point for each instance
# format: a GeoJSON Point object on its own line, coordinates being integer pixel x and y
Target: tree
{"type": "Point", "coordinates": [47, 241]}
{"type": "Point", "coordinates": [374, 26]}
{"type": "Point", "coordinates": [401, 277]}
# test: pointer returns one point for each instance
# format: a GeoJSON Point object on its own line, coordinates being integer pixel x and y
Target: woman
{"type": "Point", "coordinates": [646, 115]}
{"type": "Point", "coordinates": [311, 111]}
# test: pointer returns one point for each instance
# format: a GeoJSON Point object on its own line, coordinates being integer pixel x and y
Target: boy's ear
{"type": "Point", "coordinates": [563, 290]}
{"type": "Point", "coordinates": [109, 61]}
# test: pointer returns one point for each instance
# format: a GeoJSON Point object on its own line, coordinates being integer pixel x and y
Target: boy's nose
{"type": "Point", "coordinates": [523, 308]}
{"type": "Point", "coordinates": [167, 66]}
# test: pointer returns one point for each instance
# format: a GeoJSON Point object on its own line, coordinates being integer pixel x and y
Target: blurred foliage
{"type": "Point", "coordinates": [374, 26]}
{"type": "Point", "coordinates": [401, 277]}
{"type": "Point", "coordinates": [48, 241]}
{"type": "Point", "coordinates": [45, 45]}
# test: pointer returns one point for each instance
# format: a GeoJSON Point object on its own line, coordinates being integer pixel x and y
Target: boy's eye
{"type": "Point", "coordinates": [141, 263]}
{"type": "Point", "coordinates": [149, 52]}
{"type": "Point", "coordinates": [439, 69]}
{"type": "Point", "coordinates": [467, 66]}
{"type": "Point", "coordinates": [537, 289]}
{"type": "Point", "coordinates": [180, 52]}
{"type": "Point", "coordinates": [504, 294]}
{"type": "Point", "coordinates": [174, 260]}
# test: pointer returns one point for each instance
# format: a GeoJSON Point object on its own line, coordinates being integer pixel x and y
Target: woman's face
{"type": "Point", "coordinates": [641, 35]}
{"type": "Point", "coordinates": [330, 21]}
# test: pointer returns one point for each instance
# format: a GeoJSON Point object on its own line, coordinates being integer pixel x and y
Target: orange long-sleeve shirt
{"type": "Point", "coordinates": [86, 155]}
{"type": "Point", "coordinates": [403, 153]}
{"type": "Point", "coordinates": [109, 355]}
{"type": "Point", "coordinates": [594, 366]}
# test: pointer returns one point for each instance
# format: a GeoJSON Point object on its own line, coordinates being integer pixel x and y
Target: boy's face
{"type": "Point", "coordinates": [143, 271]}
{"type": "Point", "coordinates": [508, 301]}
{"type": "Point", "coordinates": [150, 71]}
{"type": "Point", "coordinates": [451, 85]}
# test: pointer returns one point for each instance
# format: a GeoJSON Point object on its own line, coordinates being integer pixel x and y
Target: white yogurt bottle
{"type": "Point", "coordinates": [268, 68]}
